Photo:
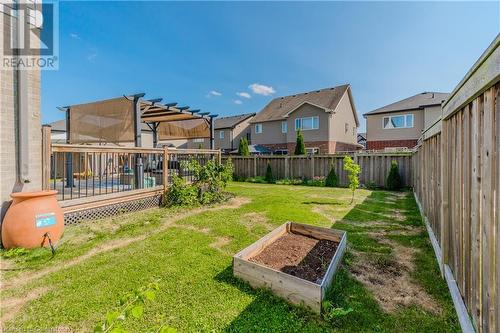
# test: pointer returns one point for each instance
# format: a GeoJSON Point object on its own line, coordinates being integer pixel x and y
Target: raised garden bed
{"type": "Point", "coordinates": [296, 261]}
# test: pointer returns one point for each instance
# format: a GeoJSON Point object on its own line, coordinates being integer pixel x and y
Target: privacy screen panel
{"type": "Point", "coordinates": [108, 121]}
{"type": "Point", "coordinates": [184, 129]}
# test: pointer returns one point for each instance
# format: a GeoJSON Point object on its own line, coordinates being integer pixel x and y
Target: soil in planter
{"type": "Point", "coordinates": [305, 257]}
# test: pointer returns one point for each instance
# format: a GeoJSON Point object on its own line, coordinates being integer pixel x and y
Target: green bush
{"type": "Point", "coordinates": [181, 193]}
{"type": "Point", "coordinates": [243, 147]}
{"type": "Point", "coordinates": [269, 174]}
{"type": "Point", "coordinates": [290, 181]}
{"type": "Point", "coordinates": [207, 187]}
{"type": "Point", "coordinates": [300, 148]}
{"type": "Point", "coordinates": [331, 179]}
{"type": "Point", "coordinates": [393, 182]}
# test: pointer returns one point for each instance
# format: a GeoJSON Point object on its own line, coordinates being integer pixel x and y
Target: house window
{"type": "Point", "coordinates": [346, 128]}
{"type": "Point", "coordinates": [284, 127]}
{"type": "Point", "coordinates": [258, 128]}
{"type": "Point", "coordinates": [221, 135]}
{"type": "Point", "coordinates": [401, 121]}
{"type": "Point", "coordinates": [307, 123]}
{"type": "Point", "coordinates": [199, 140]}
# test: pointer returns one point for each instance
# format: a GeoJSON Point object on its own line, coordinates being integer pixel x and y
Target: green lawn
{"type": "Point", "coordinates": [389, 277]}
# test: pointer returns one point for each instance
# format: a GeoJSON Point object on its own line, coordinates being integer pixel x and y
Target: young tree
{"type": "Point", "coordinates": [243, 147]}
{"type": "Point", "coordinates": [300, 148]}
{"type": "Point", "coordinates": [331, 179]}
{"type": "Point", "coordinates": [394, 179]}
{"type": "Point", "coordinates": [269, 174]}
{"type": "Point", "coordinates": [353, 171]}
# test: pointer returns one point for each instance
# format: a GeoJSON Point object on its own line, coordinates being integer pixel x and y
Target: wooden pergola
{"type": "Point", "coordinates": [100, 120]}
{"type": "Point", "coordinates": [120, 120]}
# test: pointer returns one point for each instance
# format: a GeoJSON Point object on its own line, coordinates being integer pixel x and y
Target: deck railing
{"type": "Point", "coordinates": [80, 171]}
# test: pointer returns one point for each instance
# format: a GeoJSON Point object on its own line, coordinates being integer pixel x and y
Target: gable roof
{"type": "Point", "coordinates": [327, 99]}
{"type": "Point", "coordinates": [231, 121]}
{"type": "Point", "coordinates": [418, 101]}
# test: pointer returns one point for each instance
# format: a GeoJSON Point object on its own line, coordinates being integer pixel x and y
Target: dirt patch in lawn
{"type": "Point", "coordinates": [298, 255]}
{"type": "Point", "coordinates": [11, 306]}
{"type": "Point", "coordinates": [323, 211]}
{"type": "Point", "coordinates": [389, 278]}
{"type": "Point", "coordinates": [25, 278]}
{"type": "Point", "coordinates": [220, 242]}
{"type": "Point", "coordinates": [250, 220]}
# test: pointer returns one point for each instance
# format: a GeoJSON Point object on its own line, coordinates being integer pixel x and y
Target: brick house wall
{"type": "Point", "coordinates": [376, 145]}
{"type": "Point", "coordinates": [325, 147]}
{"type": "Point", "coordinates": [9, 178]}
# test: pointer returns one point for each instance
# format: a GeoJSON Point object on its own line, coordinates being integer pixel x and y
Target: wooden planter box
{"type": "Point", "coordinates": [294, 289]}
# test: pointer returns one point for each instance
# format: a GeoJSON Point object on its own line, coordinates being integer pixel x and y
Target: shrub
{"type": "Point", "coordinates": [353, 171]}
{"type": "Point", "coordinates": [209, 181]}
{"type": "Point", "coordinates": [315, 181]}
{"type": "Point", "coordinates": [288, 181]}
{"type": "Point", "coordinates": [300, 148]}
{"type": "Point", "coordinates": [394, 179]}
{"type": "Point", "coordinates": [243, 147]}
{"type": "Point", "coordinates": [331, 179]}
{"type": "Point", "coordinates": [181, 193]}
{"type": "Point", "coordinates": [269, 174]}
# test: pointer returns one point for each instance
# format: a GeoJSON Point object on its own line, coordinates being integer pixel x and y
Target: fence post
{"type": "Point", "coordinates": [219, 156]}
{"type": "Point", "coordinates": [287, 167]}
{"type": "Point", "coordinates": [46, 152]}
{"type": "Point", "coordinates": [255, 166]}
{"type": "Point", "coordinates": [165, 169]}
{"type": "Point", "coordinates": [312, 166]}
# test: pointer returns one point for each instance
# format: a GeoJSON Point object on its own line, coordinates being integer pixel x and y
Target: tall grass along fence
{"type": "Point", "coordinates": [457, 179]}
{"type": "Point", "coordinates": [374, 167]}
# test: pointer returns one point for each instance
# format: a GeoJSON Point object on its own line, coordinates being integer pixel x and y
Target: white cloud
{"type": "Point", "coordinates": [75, 36]}
{"type": "Point", "coordinates": [244, 94]}
{"type": "Point", "coordinates": [261, 89]}
{"type": "Point", "coordinates": [91, 57]}
{"type": "Point", "coordinates": [212, 93]}
{"type": "Point", "coordinates": [237, 101]}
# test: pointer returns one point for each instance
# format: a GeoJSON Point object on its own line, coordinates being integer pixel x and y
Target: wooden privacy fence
{"type": "Point", "coordinates": [374, 166]}
{"type": "Point", "coordinates": [457, 179]}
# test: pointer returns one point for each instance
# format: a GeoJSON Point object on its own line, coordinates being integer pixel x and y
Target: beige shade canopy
{"type": "Point", "coordinates": [112, 120]}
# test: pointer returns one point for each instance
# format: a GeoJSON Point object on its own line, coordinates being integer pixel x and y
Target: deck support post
{"type": "Point", "coordinates": [69, 156]}
{"type": "Point", "coordinates": [154, 128]}
{"type": "Point", "coordinates": [212, 133]}
{"type": "Point", "coordinates": [139, 167]}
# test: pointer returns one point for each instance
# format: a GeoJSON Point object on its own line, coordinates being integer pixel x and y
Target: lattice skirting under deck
{"type": "Point", "coordinates": [112, 210]}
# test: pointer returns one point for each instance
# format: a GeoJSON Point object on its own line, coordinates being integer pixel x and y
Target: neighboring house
{"type": "Point", "coordinates": [327, 119]}
{"type": "Point", "coordinates": [362, 139]}
{"type": "Point", "coordinates": [228, 132]}
{"type": "Point", "coordinates": [400, 124]}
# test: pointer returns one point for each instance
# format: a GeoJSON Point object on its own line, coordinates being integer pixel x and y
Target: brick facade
{"type": "Point", "coordinates": [325, 147]}
{"type": "Point", "coordinates": [9, 130]}
{"type": "Point", "coordinates": [377, 145]}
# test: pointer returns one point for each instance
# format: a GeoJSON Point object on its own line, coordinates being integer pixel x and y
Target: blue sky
{"type": "Point", "coordinates": [204, 54]}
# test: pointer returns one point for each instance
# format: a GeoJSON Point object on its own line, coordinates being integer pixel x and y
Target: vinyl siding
{"type": "Point", "coordinates": [376, 132]}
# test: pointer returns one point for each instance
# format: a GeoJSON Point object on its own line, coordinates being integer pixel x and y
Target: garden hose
{"type": "Point", "coordinates": [52, 247]}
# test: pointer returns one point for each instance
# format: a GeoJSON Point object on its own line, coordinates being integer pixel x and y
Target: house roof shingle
{"type": "Point", "coordinates": [279, 107]}
{"type": "Point", "coordinates": [417, 101]}
{"type": "Point", "coordinates": [231, 121]}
